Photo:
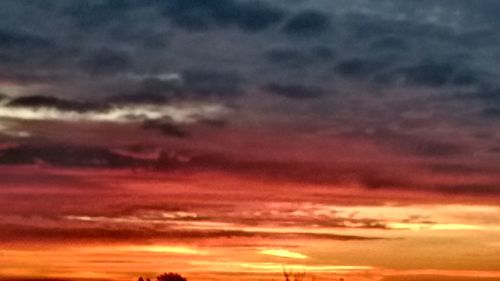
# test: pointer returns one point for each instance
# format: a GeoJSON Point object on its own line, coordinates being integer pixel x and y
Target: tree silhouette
{"type": "Point", "coordinates": [170, 277]}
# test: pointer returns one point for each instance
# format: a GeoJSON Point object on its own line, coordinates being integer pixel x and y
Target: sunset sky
{"type": "Point", "coordinates": [234, 139]}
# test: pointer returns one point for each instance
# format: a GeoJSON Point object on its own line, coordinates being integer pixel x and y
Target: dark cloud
{"type": "Point", "coordinates": [488, 95]}
{"type": "Point", "coordinates": [428, 74]}
{"type": "Point", "coordinates": [366, 26]}
{"type": "Point", "coordinates": [219, 123]}
{"type": "Point", "coordinates": [206, 83]}
{"type": "Point", "coordinates": [374, 176]}
{"type": "Point", "coordinates": [357, 68]}
{"type": "Point", "coordinates": [287, 57]}
{"type": "Point", "coordinates": [149, 90]}
{"type": "Point", "coordinates": [390, 43]}
{"type": "Point", "coordinates": [192, 84]}
{"type": "Point", "coordinates": [35, 102]}
{"type": "Point", "coordinates": [323, 52]}
{"type": "Point", "coordinates": [29, 57]}
{"type": "Point", "coordinates": [307, 23]}
{"type": "Point", "coordinates": [294, 91]}
{"type": "Point", "coordinates": [24, 41]}
{"type": "Point", "coordinates": [199, 15]}
{"type": "Point", "coordinates": [491, 112]}
{"type": "Point", "coordinates": [94, 14]}
{"type": "Point", "coordinates": [459, 169]}
{"type": "Point", "coordinates": [473, 188]}
{"type": "Point", "coordinates": [67, 156]}
{"type": "Point", "coordinates": [165, 127]}
{"type": "Point", "coordinates": [21, 77]}
{"type": "Point", "coordinates": [377, 180]}
{"type": "Point", "coordinates": [413, 144]}
{"type": "Point", "coordinates": [495, 150]}
{"type": "Point", "coordinates": [299, 58]}
{"type": "Point", "coordinates": [120, 234]}
{"type": "Point", "coordinates": [106, 61]}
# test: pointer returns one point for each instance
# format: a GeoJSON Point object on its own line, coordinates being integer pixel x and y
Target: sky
{"type": "Point", "coordinates": [237, 139]}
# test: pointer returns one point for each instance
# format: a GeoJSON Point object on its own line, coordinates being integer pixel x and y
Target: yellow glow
{"type": "Point", "coordinates": [421, 226]}
{"type": "Point", "coordinates": [161, 249]}
{"type": "Point", "coordinates": [278, 267]}
{"type": "Point", "coordinates": [284, 254]}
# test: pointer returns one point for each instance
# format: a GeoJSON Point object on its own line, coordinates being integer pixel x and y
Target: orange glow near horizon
{"type": "Point", "coordinates": [219, 229]}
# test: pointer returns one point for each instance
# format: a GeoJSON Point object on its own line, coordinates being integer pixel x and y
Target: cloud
{"type": "Point", "coordinates": [294, 91]}
{"type": "Point", "coordinates": [105, 62]}
{"type": "Point", "coordinates": [491, 113]}
{"type": "Point", "coordinates": [204, 83]}
{"type": "Point", "coordinates": [67, 156]}
{"type": "Point", "coordinates": [121, 109]}
{"type": "Point", "coordinates": [95, 14]}
{"type": "Point", "coordinates": [428, 74]}
{"type": "Point", "coordinates": [299, 57]}
{"type": "Point", "coordinates": [201, 15]}
{"type": "Point", "coordinates": [357, 68]}
{"type": "Point", "coordinates": [307, 23]}
{"type": "Point", "coordinates": [474, 188]}
{"type": "Point", "coordinates": [287, 57]}
{"type": "Point", "coordinates": [165, 127]}
{"type": "Point", "coordinates": [390, 43]}
{"type": "Point", "coordinates": [459, 168]}
{"type": "Point", "coordinates": [23, 41]}
{"type": "Point", "coordinates": [36, 102]}
{"type": "Point", "coordinates": [408, 143]}
{"type": "Point", "coordinates": [135, 234]}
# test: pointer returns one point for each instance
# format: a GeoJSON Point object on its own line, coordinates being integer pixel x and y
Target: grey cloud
{"type": "Point", "coordinates": [357, 68]}
{"type": "Point", "coordinates": [294, 91]}
{"type": "Point", "coordinates": [307, 23]}
{"type": "Point", "coordinates": [491, 112]}
{"type": "Point", "coordinates": [428, 74]}
{"type": "Point", "coordinates": [27, 57]}
{"type": "Point", "coordinates": [390, 43]}
{"type": "Point", "coordinates": [323, 52]}
{"type": "Point", "coordinates": [148, 90]}
{"type": "Point", "coordinates": [93, 14]}
{"type": "Point", "coordinates": [205, 83]}
{"type": "Point", "coordinates": [199, 15]}
{"type": "Point", "coordinates": [287, 57]}
{"type": "Point", "coordinates": [299, 58]}
{"type": "Point", "coordinates": [25, 41]}
{"type": "Point", "coordinates": [486, 95]}
{"type": "Point", "coordinates": [106, 61]}
{"type": "Point", "coordinates": [193, 84]}
{"type": "Point", "coordinates": [369, 26]}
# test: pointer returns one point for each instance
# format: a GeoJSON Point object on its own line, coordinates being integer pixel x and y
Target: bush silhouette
{"type": "Point", "coordinates": [170, 277]}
